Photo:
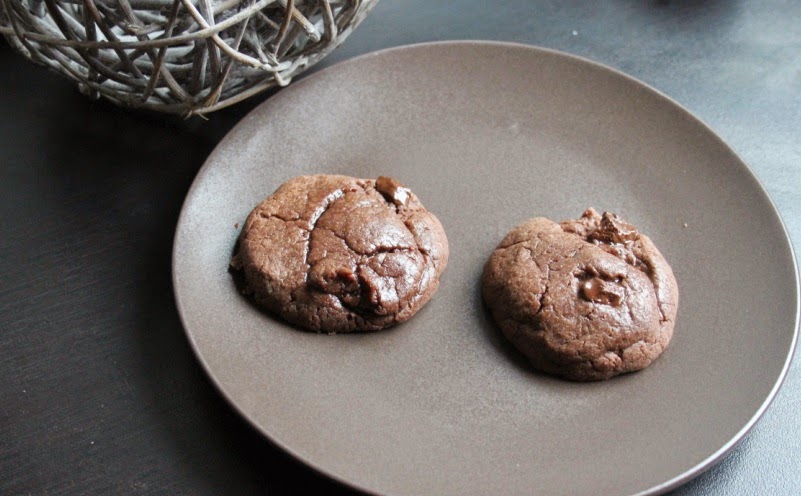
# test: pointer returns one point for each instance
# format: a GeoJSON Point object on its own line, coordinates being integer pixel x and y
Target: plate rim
{"type": "Point", "coordinates": [672, 483]}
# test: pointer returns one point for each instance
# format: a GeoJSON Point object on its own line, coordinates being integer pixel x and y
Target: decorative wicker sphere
{"type": "Point", "coordinates": [178, 56]}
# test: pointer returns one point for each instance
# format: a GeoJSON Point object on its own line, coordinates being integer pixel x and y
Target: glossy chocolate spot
{"type": "Point", "coordinates": [600, 291]}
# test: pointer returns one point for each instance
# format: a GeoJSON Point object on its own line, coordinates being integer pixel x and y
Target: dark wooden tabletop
{"type": "Point", "coordinates": [99, 390]}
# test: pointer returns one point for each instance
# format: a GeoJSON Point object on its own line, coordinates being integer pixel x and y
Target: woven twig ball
{"type": "Point", "coordinates": [178, 56]}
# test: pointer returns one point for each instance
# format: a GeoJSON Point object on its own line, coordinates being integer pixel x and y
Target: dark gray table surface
{"type": "Point", "coordinates": [99, 390]}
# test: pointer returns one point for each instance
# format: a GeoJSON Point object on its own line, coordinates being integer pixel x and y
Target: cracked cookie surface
{"type": "Point", "coordinates": [584, 299]}
{"type": "Point", "coordinates": [338, 254]}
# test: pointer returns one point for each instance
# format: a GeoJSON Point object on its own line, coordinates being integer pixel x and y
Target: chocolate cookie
{"type": "Point", "coordinates": [338, 254]}
{"type": "Point", "coordinates": [585, 299]}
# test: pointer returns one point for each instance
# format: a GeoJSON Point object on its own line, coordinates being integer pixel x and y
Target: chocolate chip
{"type": "Point", "coordinates": [392, 190]}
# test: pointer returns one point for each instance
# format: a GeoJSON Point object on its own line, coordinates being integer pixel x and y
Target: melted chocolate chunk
{"type": "Point", "coordinates": [600, 291]}
{"type": "Point", "coordinates": [613, 229]}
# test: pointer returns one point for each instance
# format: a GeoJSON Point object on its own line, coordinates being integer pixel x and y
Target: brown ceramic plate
{"type": "Point", "coordinates": [487, 135]}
